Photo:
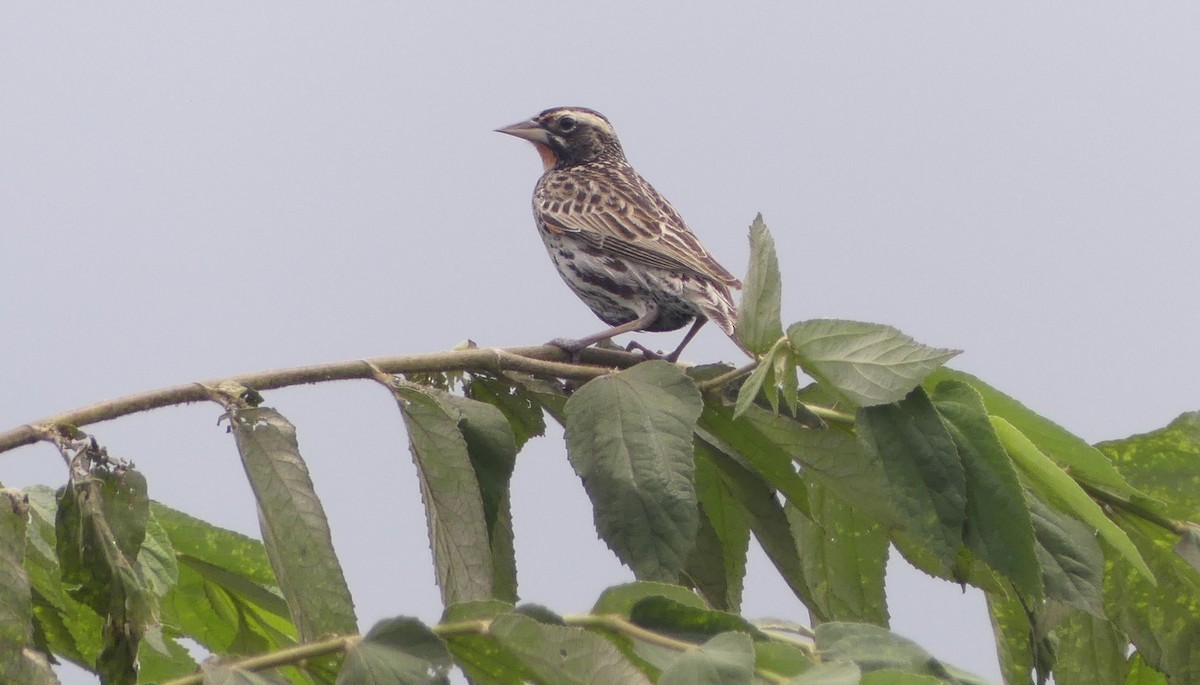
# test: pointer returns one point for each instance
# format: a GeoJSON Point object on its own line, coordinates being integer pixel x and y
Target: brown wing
{"type": "Point", "coordinates": [616, 210]}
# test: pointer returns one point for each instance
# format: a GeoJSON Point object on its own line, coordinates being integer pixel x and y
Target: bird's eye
{"type": "Point", "coordinates": [566, 124]}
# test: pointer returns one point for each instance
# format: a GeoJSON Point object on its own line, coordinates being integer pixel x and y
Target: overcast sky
{"type": "Point", "coordinates": [196, 190]}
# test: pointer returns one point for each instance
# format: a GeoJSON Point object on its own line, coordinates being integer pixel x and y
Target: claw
{"type": "Point", "coordinates": [646, 351]}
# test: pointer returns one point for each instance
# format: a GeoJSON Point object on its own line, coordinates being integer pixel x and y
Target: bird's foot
{"type": "Point", "coordinates": [573, 348]}
{"type": "Point", "coordinates": [646, 351]}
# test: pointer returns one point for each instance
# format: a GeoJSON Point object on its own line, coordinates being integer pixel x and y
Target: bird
{"type": "Point", "coordinates": [616, 242]}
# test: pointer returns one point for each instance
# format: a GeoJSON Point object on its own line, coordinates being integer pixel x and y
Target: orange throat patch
{"type": "Point", "coordinates": [549, 159]}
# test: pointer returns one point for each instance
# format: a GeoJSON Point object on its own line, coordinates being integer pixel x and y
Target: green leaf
{"type": "Point", "coordinates": [62, 626]}
{"type": "Point", "coordinates": [549, 393]}
{"type": "Point", "coordinates": [1141, 673]}
{"type": "Point", "coordinates": [786, 660]}
{"type": "Point", "coordinates": [890, 676]}
{"type": "Point", "coordinates": [493, 453]}
{"type": "Point", "coordinates": [213, 614]}
{"type": "Point", "coordinates": [458, 531]}
{"type": "Point", "coordinates": [758, 317]}
{"type": "Point", "coordinates": [726, 659]}
{"type": "Point", "coordinates": [916, 551]}
{"type": "Point", "coordinates": [226, 597]}
{"type": "Point", "coordinates": [1090, 652]}
{"type": "Point", "coordinates": [563, 655]}
{"type": "Point", "coordinates": [763, 375]}
{"type": "Point", "coordinates": [1164, 464]}
{"type": "Point", "coordinates": [629, 437]}
{"type": "Point", "coordinates": [230, 550]}
{"type": "Point", "coordinates": [829, 674]}
{"type": "Point", "coordinates": [1062, 490]}
{"type": "Point", "coordinates": [20, 661]}
{"type": "Point", "coordinates": [294, 527]}
{"type": "Point", "coordinates": [873, 648]}
{"type": "Point", "coordinates": [1010, 626]}
{"type": "Point", "coordinates": [485, 609]}
{"type": "Point", "coordinates": [71, 633]}
{"type": "Point", "coordinates": [717, 565]}
{"type": "Point", "coordinates": [620, 599]}
{"type": "Point", "coordinates": [504, 554]}
{"type": "Point", "coordinates": [25, 667]}
{"type": "Point", "coordinates": [156, 564]}
{"type": "Point", "coordinates": [100, 524]}
{"type": "Point", "coordinates": [490, 446]}
{"type": "Point", "coordinates": [998, 528]}
{"type": "Point", "coordinates": [706, 569]}
{"type": "Point", "coordinates": [647, 655]}
{"type": "Point", "coordinates": [16, 599]}
{"type": "Point", "coordinates": [775, 374]}
{"type": "Point", "coordinates": [155, 666]}
{"type": "Point", "coordinates": [400, 651]}
{"type": "Point", "coordinates": [789, 385]}
{"type": "Point", "coordinates": [1085, 461]}
{"type": "Point", "coordinates": [117, 664]}
{"type": "Point", "coordinates": [867, 363]}
{"type": "Point", "coordinates": [126, 508]}
{"type": "Point", "coordinates": [763, 512]}
{"type": "Point", "coordinates": [830, 456]}
{"type": "Point", "coordinates": [217, 674]}
{"type": "Point", "coordinates": [1188, 547]}
{"type": "Point", "coordinates": [539, 613]}
{"type": "Point", "coordinates": [1161, 620]}
{"type": "Point", "coordinates": [483, 660]}
{"type": "Point", "coordinates": [523, 413]}
{"type": "Point", "coordinates": [1070, 557]}
{"type": "Point", "coordinates": [926, 479]}
{"type": "Point", "coordinates": [41, 559]}
{"type": "Point", "coordinates": [844, 558]}
{"type": "Point", "coordinates": [751, 439]}
{"type": "Point", "coordinates": [686, 622]}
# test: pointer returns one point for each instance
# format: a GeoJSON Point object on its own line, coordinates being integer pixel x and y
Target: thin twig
{"type": "Point", "coordinates": [824, 412]}
{"type": "Point", "coordinates": [830, 414]}
{"type": "Point", "coordinates": [616, 623]}
{"type": "Point", "coordinates": [283, 657]}
{"type": "Point", "coordinates": [619, 624]}
{"type": "Point", "coordinates": [542, 359]}
{"type": "Point", "coordinates": [482, 627]}
{"type": "Point", "coordinates": [718, 381]}
{"type": "Point", "coordinates": [1134, 508]}
{"type": "Point", "coordinates": [479, 626]}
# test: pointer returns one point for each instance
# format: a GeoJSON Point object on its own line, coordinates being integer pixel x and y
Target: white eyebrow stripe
{"type": "Point", "coordinates": [585, 117]}
{"type": "Point", "coordinates": [591, 119]}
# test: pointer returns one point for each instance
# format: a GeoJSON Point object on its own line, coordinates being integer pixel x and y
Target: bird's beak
{"type": "Point", "coordinates": [529, 130]}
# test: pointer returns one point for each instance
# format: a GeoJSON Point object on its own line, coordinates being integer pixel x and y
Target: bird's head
{"type": "Point", "coordinates": [567, 136]}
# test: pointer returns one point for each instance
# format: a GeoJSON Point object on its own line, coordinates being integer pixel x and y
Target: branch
{"type": "Point", "coordinates": [832, 415]}
{"type": "Point", "coordinates": [283, 657]}
{"type": "Point", "coordinates": [609, 622]}
{"type": "Point", "coordinates": [728, 376]}
{"type": "Point", "coordinates": [542, 359]}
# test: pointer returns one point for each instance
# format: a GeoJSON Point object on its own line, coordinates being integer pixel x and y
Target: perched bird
{"type": "Point", "coordinates": [617, 243]}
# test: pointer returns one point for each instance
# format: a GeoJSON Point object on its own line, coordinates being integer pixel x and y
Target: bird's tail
{"type": "Point", "coordinates": [716, 302]}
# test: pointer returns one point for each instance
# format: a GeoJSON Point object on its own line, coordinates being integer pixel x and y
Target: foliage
{"type": "Point", "coordinates": [1089, 555]}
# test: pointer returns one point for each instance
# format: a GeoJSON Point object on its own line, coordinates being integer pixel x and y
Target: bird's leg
{"type": "Point", "coordinates": [700, 321]}
{"type": "Point", "coordinates": [576, 347]}
{"type": "Point", "coordinates": [674, 356]}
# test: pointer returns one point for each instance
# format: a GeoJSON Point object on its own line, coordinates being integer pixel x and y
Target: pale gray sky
{"type": "Point", "coordinates": [197, 190]}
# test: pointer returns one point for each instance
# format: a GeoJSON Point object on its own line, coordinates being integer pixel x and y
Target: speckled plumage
{"type": "Point", "coordinates": [616, 242]}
